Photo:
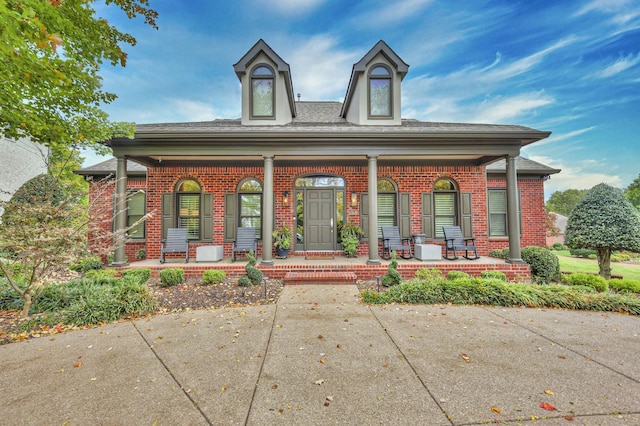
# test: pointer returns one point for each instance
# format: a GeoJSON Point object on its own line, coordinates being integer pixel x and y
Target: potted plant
{"type": "Point", "coordinates": [282, 241]}
{"type": "Point", "coordinates": [350, 235]}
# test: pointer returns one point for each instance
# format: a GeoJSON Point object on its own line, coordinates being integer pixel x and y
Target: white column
{"type": "Point", "coordinates": [120, 219]}
{"type": "Point", "coordinates": [513, 218]}
{"type": "Point", "coordinates": [373, 211]}
{"type": "Point", "coordinates": [267, 212]}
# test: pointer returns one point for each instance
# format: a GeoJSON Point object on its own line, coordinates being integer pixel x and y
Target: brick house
{"type": "Point", "coordinates": [314, 166]}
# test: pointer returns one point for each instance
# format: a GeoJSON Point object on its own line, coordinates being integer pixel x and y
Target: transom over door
{"type": "Point", "coordinates": [320, 219]}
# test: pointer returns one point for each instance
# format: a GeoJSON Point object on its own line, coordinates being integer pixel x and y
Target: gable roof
{"type": "Point", "coordinates": [283, 68]}
{"type": "Point", "coordinates": [400, 67]}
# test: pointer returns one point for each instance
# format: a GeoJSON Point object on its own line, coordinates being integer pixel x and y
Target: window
{"type": "Point", "coordinates": [380, 92]}
{"type": "Point", "coordinates": [497, 212]}
{"type": "Point", "coordinates": [386, 204]}
{"type": "Point", "coordinates": [135, 213]}
{"type": "Point", "coordinates": [497, 206]}
{"type": "Point", "coordinates": [262, 92]}
{"type": "Point", "coordinates": [250, 208]}
{"type": "Point", "coordinates": [445, 201]}
{"type": "Point", "coordinates": [188, 194]}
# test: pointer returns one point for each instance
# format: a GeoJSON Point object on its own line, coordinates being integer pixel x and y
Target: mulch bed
{"type": "Point", "coordinates": [192, 294]}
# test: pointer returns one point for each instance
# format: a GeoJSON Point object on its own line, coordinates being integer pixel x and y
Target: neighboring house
{"type": "Point", "coordinates": [314, 166]}
{"type": "Point", "coordinates": [20, 161]}
{"type": "Point", "coordinates": [560, 222]}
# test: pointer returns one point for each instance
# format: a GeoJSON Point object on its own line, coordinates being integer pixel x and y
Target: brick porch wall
{"type": "Point", "coordinates": [414, 180]}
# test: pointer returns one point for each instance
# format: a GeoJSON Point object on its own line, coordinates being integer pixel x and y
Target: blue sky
{"type": "Point", "coordinates": [570, 67]}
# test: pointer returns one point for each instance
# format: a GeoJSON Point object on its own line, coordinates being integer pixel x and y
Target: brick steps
{"type": "Point", "coordinates": [326, 277]}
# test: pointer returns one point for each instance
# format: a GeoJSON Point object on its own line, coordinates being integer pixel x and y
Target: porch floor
{"type": "Point", "coordinates": [319, 265]}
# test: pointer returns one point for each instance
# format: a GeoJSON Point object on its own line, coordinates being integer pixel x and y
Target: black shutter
{"type": "Point", "coordinates": [364, 215]}
{"type": "Point", "coordinates": [206, 220]}
{"type": "Point", "coordinates": [404, 214]}
{"type": "Point", "coordinates": [427, 216]}
{"type": "Point", "coordinates": [465, 215]}
{"type": "Point", "coordinates": [167, 214]}
{"type": "Point", "coordinates": [230, 219]}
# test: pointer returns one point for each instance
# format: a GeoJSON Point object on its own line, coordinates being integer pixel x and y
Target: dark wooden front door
{"type": "Point", "coordinates": [320, 219]}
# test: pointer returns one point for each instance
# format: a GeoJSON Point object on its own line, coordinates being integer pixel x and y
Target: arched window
{"type": "Point", "coordinates": [387, 203]}
{"type": "Point", "coordinates": [380, 91]}
{"type": "Point", "coordinates": [262, 92]}
{"type": "Point", "coordinates": [188, 195]}
{"type": "Point", "coordinates": [445, 202]}
{"type": "Point", "coordinates": [250, 205]}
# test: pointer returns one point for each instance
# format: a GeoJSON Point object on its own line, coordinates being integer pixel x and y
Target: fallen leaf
{"type": "Point", "coordinates": [465, 357]}
{"type": "Point", "coordinates": [549, 392]}
{"type": "Point", "coordinates": [339, 346]}
{"type": "Point", "coordinates": [322, 361]}
{"type": "Point", "coordinates": [547, 406]}
{"type": "Point", "coordinates": [224, 388]}
{"type": "Point", "coordinates": [320, 336]}
{"type": "Point", "coordinates": [274, 387]}
{"type": "Point", "coordinates": [496, 410]}
{"type": "Point", "coordinates": [562, 357]}
{"type": "Point", "coordinates": [78, 364]}
{"type": "Point", "coordinates": [319, 381]}
{"type": "Point", "coordinates": [568, 418]}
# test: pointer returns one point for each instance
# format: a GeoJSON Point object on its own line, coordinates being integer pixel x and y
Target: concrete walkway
{"type": "Point", "coordinates": [320, 357]}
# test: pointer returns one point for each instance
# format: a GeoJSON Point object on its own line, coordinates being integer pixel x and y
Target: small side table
{"type": "Point", "coordinates": [428, 252]}
{"type": "Point", "coordinates": [208, 253]}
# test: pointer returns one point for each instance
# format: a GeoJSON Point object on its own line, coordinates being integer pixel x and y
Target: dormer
{"type": "Point", "coordinates": [374, 92]}
{"type": "Point", "coordinates": [267, 90]}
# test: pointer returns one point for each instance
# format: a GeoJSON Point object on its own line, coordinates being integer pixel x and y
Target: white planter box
{"type": "Point", "coordinates": [208, 253]}
{"type": "Point", "coordinates": [428, 252]}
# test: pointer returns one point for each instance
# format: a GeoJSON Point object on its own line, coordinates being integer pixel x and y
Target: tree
{"type": "Point", "coordinates": [563, 202]}
{"type": "Point", "coordinates": [40, 236]}
{"type": "Point", "coordinates": [50, 55]}
{"type": "Point", "coordinates": [633, 192]}
{"type": "Point", "coordinates": [604, 220]}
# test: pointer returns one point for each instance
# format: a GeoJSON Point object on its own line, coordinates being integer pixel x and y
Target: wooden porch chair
{"type": "Point", "coordinates": [456, 242]}
{"type": "Point", "coordinates": [176, 242]}
{"type": "Point", "coordinates": [245, 241]}
{"type": "Point", "coordinates": [391, 240]}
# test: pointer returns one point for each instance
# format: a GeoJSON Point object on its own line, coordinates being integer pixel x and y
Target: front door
{"type": "Point", "coordinates": [319, 228]}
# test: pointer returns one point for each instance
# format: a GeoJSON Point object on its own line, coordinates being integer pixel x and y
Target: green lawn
{"type": "Point", "coordinates": [574, 264]}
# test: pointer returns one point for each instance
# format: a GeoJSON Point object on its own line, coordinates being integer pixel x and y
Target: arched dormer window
{"type": "Point", "coordinates": [188, 195]}
{"type": "Point", "coordinates": [250, 205]}
{"type": "Point", "coordinates": [262, 92]}
{"type": "Point", "coordinates": [380, 93]}
{"type": "Point", "coordinates": [445, 202]}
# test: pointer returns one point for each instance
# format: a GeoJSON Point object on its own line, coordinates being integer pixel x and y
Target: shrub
{"type": "Point", "coordinates": [142, 274]}
{"type": "Point", "coordinates": [87, 264]}
{"type": "Point", "coordinates": [581, 252]}
{"type": "Point", "coordinates": [100, 274]}
{"type": "Point", "coordinates": [456, 275]}
{"type": "Point", "coordinates": [244, 281]}
{"type": "Point", "coordinates": [589, 280]}
{"type": "Point", "coordinates": [624, 286]}
{"type": "Point", "coordinates": [559, 246]}
{"type": "Point", "coordinates": [500, 253]}
{"type": "Point", "coordinates": [171, 276]}
{"type": "Point", "coordinates": [427, 274]}
{"type": "Point", "coordinates": [620, 257]}
{"type": "Point", "coordinates": [141, 254]}
{"type": "Point", "coordinates": [545, 267]}
{"type": "Point", "coordinates": [493, 275]}
{"type": "Point", "coordinates": [214, 276]}
{"type": "Point", "coordinates": [392, 277]}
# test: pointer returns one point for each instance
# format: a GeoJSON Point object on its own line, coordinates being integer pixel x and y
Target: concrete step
{"type": "Point", "coordinates": [324, 277]}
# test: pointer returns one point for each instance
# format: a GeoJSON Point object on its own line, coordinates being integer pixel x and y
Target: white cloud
{"type": "Point", "coordinates": [507, 108]}
{"type": "Point", "coordinates": [563, 136]}
{"type": "Point", "coordinates": [320, 70]}
{"type": "Point", "coordinates": [393, 12]}
{"type": "Point", "coordinates": [289, 7]}
{"type": "Point", "coordinates": [620, 65]}
{"type": "Point", "coordinates": [583, 174]}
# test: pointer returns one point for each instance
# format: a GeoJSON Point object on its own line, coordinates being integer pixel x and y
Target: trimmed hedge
{"type": "Point", "coordinates": [625, 285]}
{"type": "Point", "coordinates": [171, 276]}
{"type": "Point", "coordinates": [589, 280]}
{"type": "Point", "coordinates": [214, 276]}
